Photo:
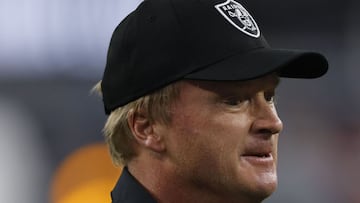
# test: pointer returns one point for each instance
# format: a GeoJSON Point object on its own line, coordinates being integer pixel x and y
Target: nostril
{"type": "Point", "coordinates": [265, 133]}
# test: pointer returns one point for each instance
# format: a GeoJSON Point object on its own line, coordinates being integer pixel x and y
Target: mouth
{"type": "Point", "coordinates": [258, 157]}
{"type": "Point", "coordinates": [258, 154]}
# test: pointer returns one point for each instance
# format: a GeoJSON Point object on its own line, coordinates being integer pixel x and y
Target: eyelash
{"type": "Point", "coordinates": [269, 97]}
{"type": "Point", "coordinates": [234, 101]}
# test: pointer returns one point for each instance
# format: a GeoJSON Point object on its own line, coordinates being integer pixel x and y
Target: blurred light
{"type": "Point", "coordinates": [87, 175]}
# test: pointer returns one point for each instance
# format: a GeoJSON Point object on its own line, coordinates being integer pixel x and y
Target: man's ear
{"type": "Point", "coordinates": [143, 131]}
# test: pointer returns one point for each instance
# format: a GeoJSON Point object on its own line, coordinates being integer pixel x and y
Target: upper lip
{"type": "Point", "coordinates": [258, 150]}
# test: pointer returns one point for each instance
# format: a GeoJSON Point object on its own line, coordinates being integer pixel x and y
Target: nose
{"type": "Point", "coordinates": [266, 120]}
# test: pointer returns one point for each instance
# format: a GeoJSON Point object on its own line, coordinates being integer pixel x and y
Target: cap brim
{"type": "Point", "coordinates": [260, 62]}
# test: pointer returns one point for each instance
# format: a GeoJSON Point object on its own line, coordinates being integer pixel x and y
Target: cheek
{"type": "Point", "coordinates": [231, 128]}
{"type": "Point", "coordinates": [213, 135]}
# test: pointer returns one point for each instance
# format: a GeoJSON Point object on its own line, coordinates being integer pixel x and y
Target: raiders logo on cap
{"type": "Point", "coordinates": [239, 17]}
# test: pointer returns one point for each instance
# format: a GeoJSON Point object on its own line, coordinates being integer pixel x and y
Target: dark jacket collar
{"type": "Point", "coordinates": [129, 190]}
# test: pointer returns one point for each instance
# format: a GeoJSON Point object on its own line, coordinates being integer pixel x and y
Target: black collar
{"type": "Point", "coordinates": [129, 190]}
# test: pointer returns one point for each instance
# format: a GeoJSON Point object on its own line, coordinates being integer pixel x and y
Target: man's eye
{"type": "Point", "coordinates": [233, 101]}
{"type": "Point", "coordinates": [270, 97]}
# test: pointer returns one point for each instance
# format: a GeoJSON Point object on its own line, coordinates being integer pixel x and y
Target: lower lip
{"type": "Point", "coordinates": [255, 160]}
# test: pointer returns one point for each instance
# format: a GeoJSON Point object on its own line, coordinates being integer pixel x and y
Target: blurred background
{"type": "Point", "coordinates": [52, 52]}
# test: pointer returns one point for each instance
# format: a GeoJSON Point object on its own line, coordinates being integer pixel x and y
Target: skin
{"type": "Point", "coordinates": [221, 145]}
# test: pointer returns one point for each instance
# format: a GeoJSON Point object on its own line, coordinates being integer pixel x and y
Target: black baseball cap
{"type": "Point", "coordinates": [163, 41]}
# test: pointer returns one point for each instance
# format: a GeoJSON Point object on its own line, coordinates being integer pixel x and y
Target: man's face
{"type": "Point", "coordinates": [223, 137]}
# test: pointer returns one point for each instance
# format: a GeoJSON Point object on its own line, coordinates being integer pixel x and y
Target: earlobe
{"type": "Point", "coordinates": [143, 131]}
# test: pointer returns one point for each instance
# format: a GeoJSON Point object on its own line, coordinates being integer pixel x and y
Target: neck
{"type": "Point", "coordinates": [166, 185]}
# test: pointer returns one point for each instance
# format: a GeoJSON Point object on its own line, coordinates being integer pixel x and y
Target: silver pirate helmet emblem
{"type": "Point", "coordinates": [239, 17]}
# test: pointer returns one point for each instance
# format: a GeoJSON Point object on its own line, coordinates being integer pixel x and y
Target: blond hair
{"type": "Point", "coordinates": [118, 135]}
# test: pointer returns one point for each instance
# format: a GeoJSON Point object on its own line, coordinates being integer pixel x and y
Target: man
{"type": "Point", "coordinates": [189, 86]}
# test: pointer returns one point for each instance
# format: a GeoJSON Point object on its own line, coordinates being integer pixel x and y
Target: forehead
{"type": "Point", "coordinates": [268, 82]}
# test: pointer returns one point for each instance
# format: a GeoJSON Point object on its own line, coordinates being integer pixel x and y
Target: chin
{"type": "Point", "coordinates": [269, 190]}
{"type": "Point", "coordinates": [260, 194]}
{"type": "Point", "coordinates": [264, 190]}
